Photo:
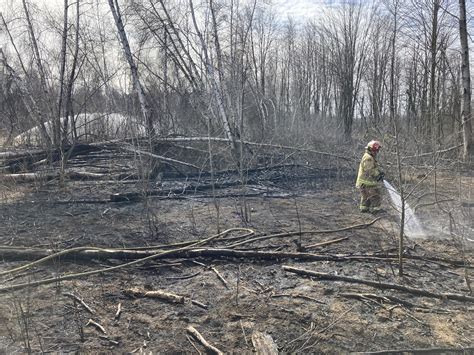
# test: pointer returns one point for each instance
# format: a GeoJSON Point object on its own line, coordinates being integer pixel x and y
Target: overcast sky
{"type": "Point", "coordinates": [301, 8]}
{"type": "Point", "coordinates": [285, 8]}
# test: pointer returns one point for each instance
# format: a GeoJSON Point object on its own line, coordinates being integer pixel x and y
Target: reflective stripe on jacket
{"type": "Point", "coordinates": [368, 171]}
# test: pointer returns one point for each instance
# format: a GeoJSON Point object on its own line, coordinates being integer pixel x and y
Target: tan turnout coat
{"type": "Point", "coordinates": [368, 171]}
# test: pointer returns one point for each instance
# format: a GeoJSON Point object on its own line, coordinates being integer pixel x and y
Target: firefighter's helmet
{"type": "Point", "coordinates": [374, 146]}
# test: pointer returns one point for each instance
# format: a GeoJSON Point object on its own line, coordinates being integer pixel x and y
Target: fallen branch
{"type": "Point", "coordinates": [96, 325]}
{"type": "Point", "coordinates": [210, 348]}
{"type": "Point", "coordinates": [433, 153]}
{"type": "Point", "coordinates": [185, 277]}
{"type": "Point", "coordinates": [431, 203]}
{"type": "Point", "coordinates": [382, 298]}
{"type": "Point", "coordinates": [297, 295]}
{"type": "Point", "coordinates": [217, 139]}
{"type": "Point", "coordinates": [119, 311]}
{"type": "Point", "coordinates": [162, 295]}
{"type": "Point", "coordinates": [380, 285]}
{"type": "Point", "coordinates": [325, 243]}
{"type": "Point", "coordinates": [224, 281]}
{"type": "Point", "coordinates": [29, 177]}
{"type": "Point", "coordinates": [91, 253]}
{"type": "Point", "coordinates": [105, 337]}
{"type": "Point", "coordinates": [159, 157]}
{"type": "Point", "coordinates": [80, 300]}
{"type": "Point", "coordinates": [199, 304]}
{"type": "Point", "coordinates": [431, 351]}
{"type": "Point", "coordinates": [192, 343]}
{"type": "Point", "coordinates": [290, 234]}
{"type": "Point", "coordinates": [101, 271]}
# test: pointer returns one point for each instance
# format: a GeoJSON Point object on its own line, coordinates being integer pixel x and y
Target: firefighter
{"type": "Point", "coordinates": [368, 179]}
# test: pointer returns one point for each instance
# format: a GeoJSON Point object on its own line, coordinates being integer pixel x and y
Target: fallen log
{"type": "Point", "coordinates": [190, 188]}
{"type": "Point", "coordinates": [20, 154]}
{"type": "Point", "coordinates": [380, 285]}
{"type": "Point", "coordinates": [162, 295]}
{"type": "Point", "coordinates": [29, 177]}
{"type": "Point", "coordinates": [140, 256]}
{"type": "Point", "coordinates": [15, 161]}
{"type": "Point", "coordinates": [10, 288]}
{"type": "Point", "coordinates": [89, 253]}
{"type": "Point", "coordinates": [52, 175]}
{"type": "Point", "coordinates": [209, 348]}
{"type": "Point", "coordinates": [264, 344]}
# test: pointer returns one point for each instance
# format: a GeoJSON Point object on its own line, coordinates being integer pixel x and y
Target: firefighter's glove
{"type": "Point", "coordinates": [381, 176]}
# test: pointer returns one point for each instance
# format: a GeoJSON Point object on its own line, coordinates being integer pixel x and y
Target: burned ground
{"type": "Point", "coordinates": [301, 314]}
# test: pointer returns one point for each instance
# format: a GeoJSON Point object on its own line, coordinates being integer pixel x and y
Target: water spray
{"type": "Point", "coordinates": [412, 226]}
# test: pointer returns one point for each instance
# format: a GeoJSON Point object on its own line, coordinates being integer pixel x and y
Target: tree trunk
{"type": "Point", "coordinates": [433, 52]}
{"type": "Point", "coordinates": [57, 120]}
{"type": "Point", "coordinates": [114, 7]}
{"type": "Point", "coordinates": [217, 90]}
{"type": "Point", "coordinates": [466, 83]}
{"type": "Point", "coordinates": [39, 64]}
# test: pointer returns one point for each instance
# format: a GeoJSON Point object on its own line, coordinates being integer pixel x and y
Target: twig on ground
{"type": "Point", "coordinates": [210, 348]}
{"type": "Point", "coordinates": [159, 157]}
{"type": "Point", "coordinates": [382, 298]}
{"type": "Point", "coordinates": [96, 325]}
{"type": "Point", "coordinates": [192, 343]}
{"type": "Point", "coordinates": [297, 295]}
{"type": "Point", "coordinates": [224, 281]}
{"type": "Point", "coordinates": [80, 300]}
{"type": "Point", "coordinates": [119, 311]}
{"type": "Point", "coordinates": [243, 332]}
{"type": "Point", "coordinates": [321, 331]}
{"type": "Point", "coordinates": [199, 304]}
{"type": "Point", "coordinates": [325, 243]}
{"type": "Point", "coordinates": [108, 339]}
{"type": "Point", "coordinates": [185, 277]}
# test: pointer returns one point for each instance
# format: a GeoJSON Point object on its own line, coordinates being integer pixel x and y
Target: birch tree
{"type": "Point", "coordinates": [147, 116]}
{"type": "Point", "coordinates": [466, 84]}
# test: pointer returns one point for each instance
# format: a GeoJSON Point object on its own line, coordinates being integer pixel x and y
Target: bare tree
{"type": "Point", "coordinates": [57, 122]}
{"type": "Point", "coordinates": [466, 84]}
{"type": "Point", "coordinates": [216, 87]}
{"type": "Point", "coordinates": [147, 116]}
{"type": "Point", "coordinates": [346, 37]}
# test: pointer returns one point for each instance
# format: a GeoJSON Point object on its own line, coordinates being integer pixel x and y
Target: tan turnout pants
{"type": "Point", "coordinates": [370, 199]}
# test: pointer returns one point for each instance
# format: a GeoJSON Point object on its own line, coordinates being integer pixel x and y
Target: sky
{"type": "Point", "coordinates": [285, 8]}
{"type": "Point", "coordinates": [301, 8]}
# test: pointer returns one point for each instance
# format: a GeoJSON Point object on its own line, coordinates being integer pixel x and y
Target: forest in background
{"type": "Point", "coordinates": [240, 70]}
{"type": "Point", "coordinates": [166, 165]}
